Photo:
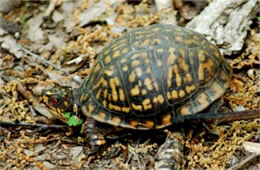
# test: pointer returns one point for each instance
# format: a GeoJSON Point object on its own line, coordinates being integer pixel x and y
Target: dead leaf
{"type": "Point", "coordinates": [35, 33]}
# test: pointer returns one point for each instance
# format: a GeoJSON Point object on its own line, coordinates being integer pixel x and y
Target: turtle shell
{"type": "Point", "coordinates": [147, 77]}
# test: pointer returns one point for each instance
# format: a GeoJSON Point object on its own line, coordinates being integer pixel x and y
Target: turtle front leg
{"type": "Point", "coordinates": [94, 137]}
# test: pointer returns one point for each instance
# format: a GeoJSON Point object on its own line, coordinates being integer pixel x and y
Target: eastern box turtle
{"type": "Point", "coordinates": [144, 80]}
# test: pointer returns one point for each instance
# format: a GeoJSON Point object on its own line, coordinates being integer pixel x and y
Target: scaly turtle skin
{"type": "Point", "coordinates": [144, 80]}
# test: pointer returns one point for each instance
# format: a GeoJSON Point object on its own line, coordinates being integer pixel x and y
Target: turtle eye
{"type": "Point", "coordinates": [56, 101]}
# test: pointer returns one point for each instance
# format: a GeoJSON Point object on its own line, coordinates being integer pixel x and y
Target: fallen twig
{"type": "Point", "coordinates": [241, 164]}
{"type": "Point", "coordinates": [32, 125]}
{"type": "Point", "coordinates": [43, 60]}
{"type": "Point", "coordinates": [218, 117]}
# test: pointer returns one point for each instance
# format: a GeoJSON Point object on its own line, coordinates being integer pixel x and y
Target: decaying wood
{"type": "Point", "coordinates": [226, 23]}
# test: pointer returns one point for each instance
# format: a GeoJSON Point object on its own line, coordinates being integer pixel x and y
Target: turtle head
{"type": "Point", "coordinates": [61, 103]}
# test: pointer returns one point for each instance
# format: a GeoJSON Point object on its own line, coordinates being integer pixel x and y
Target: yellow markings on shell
{"type": "Point", "coordinates": [185, 110]}
{"type": "Point", "coordinates": [157, 41]}
{"type": "Point", "coordinates": [144, 92]}
{"type": "Point", "coordinates": [201, 72]}
{"type": "Point", "coordinates": [135, 56]}
{"type": "Point", "coordinates": [113, 82]}
{"type": "Point", "coordinates": [118, 44]}
{"type": "Point", "coordinates": [181, 93]}
{"type": "Point", "coordinates": [116, 120]}
{"type": "Point", "coordinates": [114, 107]}
{"type": "Point", "coordinates": [160, 50]}
{"type": "Point", "coordinates": [125, 68]}
{"type": "Point", "coordinates": [85, 111]}
{"type": "Point", "coordinates": [136, 44]}
{"type": "Point", "coordinates": [90, 108]}
{"type": "Point", "coordinates": [182, 52]}
{"type": "Point", "coordinates": [169, 77]}
{"type": "Point", "coordinates": [105, 93]}
{"type": "Point", "coordinates": [174, 94]}
{"type": "Point", "coordinates": [216, 88]}
{"type": "Point", "coordinates": [202, 99]}
{"type": "Point", "coordinates": [195, 37]}
{"type": "Point", "coordinates": [149, 124]}
{"type": "Point", "coordinates": [102, 116]}
{"type": "Point", "coordinates": [172, 57]}
{"type": "Point", "coordinates": [158, 99]}
{"type": "Point", "coordinates": [148, 83]}
{"type": "Point", "coordinates": [177, 75]}
{"type": "Point", "coordinates": [121, 95]}
{"type": "Point", "coordinates": [156, 86]}
{"type": "Point", "coordinates": [97, 68]}
{"type": "Point", "coordinates": [155, 29]}
{"type": "Point", "coordinates": [138, 71]}
{"type": "Point", "coordinates": [145, 43]}
{"type": "Point", "coordinates": [213, 47]}
{"type": "Point", "coordinates": [98, 94]}
{"type": "Point", "coordinates": [188, 41]}
{"type": "Point", "coordinates": [106, 52]}
{"type": "Point", "coordinates": [187, 78]}
{"type": "Point", "coordinates": [139, 83]}
{"type": "Point", "coordinates": [218, 55]}
{"type": "Point", "coordinates": [81, 98]}
{"type": "Point", "coordinates": [190, 88]}
{"type": "Point", "coordinates": [183, 64]}
{"type": "Point", "coordinates": [100, 81]}
{"type": "Point", "coordinates": [147, 60]}
{"type": "Point", "coordinates": [125, 50]}
{"type": "Point", "coordinates": [225, 77]}
{"type": "Point", "coordinates": [204, 42]}
{"type": "Point", "coordinates": [131, 77]}
{"type": "Point", "coordinates": [107, 59]}
{"type": "Point", "coordinates": [86, 97]}
{"type": "Point", "coordinates": [137, 107]}
{"type": "Point", "coordinates": [116, 54]}
{"type": "Point", "coordinates": [135, 91]}
{"type": "Point", "coordinates": [135, 63]}
{"type": "Point", "coordinates": [123, 60]}
{"type": "Point", "coordinates": [126, 109]}
{"type": "Point", "coordinates": [108, 72]}
{"type": "Point", "coordinates": [148, 70]}
{"type": "Point", "coordinates": [133, 123]}
{"type": "Point", "coordinates": [208, 65]}
{"type": "Point", "coordinates": [167, 119]}
{"type": "Point", "coordinates": [159, 63]}
{"type": "Point", "coordinates": [169, 95]}
{"type": "Point", "coordinates": [201, 55]}
{"type": "Point", "coordinates": [104, 103]}
{"type": "Point", "coordinates": [179, 39]}
{"type": "Point", "coordinates": [104, 82]}
{"type": "Point", "coordinates": [147, 104]}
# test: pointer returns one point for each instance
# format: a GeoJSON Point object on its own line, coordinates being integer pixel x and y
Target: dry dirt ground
{"type": "Point", "coordinates": [69, 35]}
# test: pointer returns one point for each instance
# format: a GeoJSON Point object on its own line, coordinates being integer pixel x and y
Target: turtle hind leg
{"type": "Point", "coordinates": [94, 137]}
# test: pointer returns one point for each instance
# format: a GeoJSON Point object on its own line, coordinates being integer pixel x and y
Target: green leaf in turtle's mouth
{"type": "Point", "coordinates": [73, 120]}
